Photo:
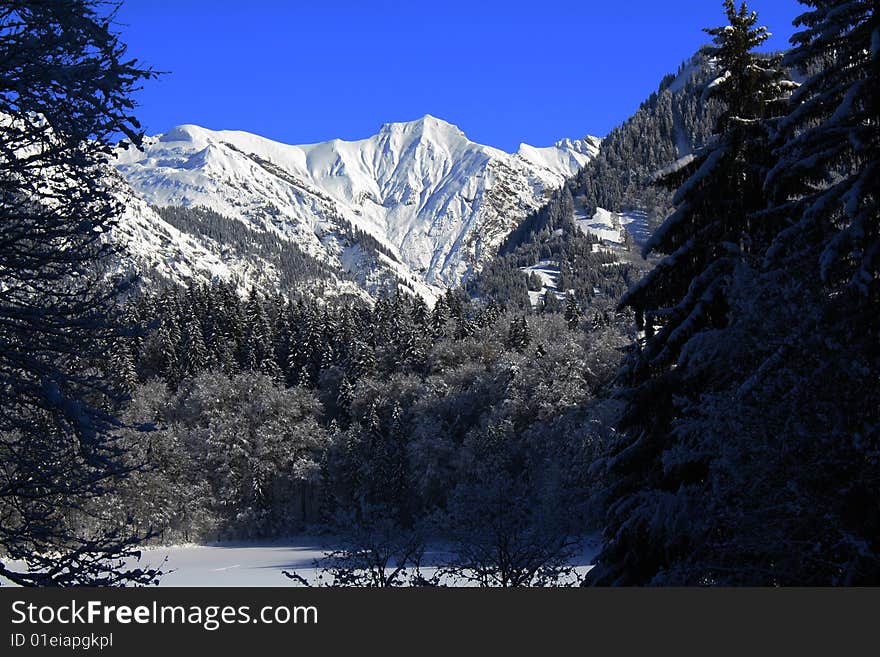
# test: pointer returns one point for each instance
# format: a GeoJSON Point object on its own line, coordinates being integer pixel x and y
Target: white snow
{"type": "Point", "coordinates": [548, 271]}
{"type": "Point", "coordinates": [563, 155]}
{"type": "Point", "coordinates": [636, 224]}
{"type": "Point", "coordinates": [234, 564]}
{"type": "Point", "coordinates": [440, 202]}
{"type": "Point", "coordinates": [687, 72]}
{"type": "Point", "coordinates": [260, 564]}
{"type": "Point", "coordinates": [611, 227]}
{"type": "Point", "coordinates": [676, 166]}
{"type": "Point", "coordinates": [717, 82]}
{"type": "Point", "coordinates": [603, 224]}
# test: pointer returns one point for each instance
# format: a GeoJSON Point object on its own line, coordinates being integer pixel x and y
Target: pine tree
{"type": "Point", "coordinates": [419, 312]}
{"type": "Point", "coordinates": [684, 299]}
{"type": "Point", "coordinates": [385, 475]}
{"type": "Point", "coordinates": [257, 353]}
{"type": "Point", "coordinates": [828, 174]}
{"type": "Point", "coordinates": [720, 188]}
{"type": "Point", "coordinates": [439, 317]}
{"type": "Point", "coordinates": [518, 334]}
{"type": "Point", "coordinates": [491, 314]}
{"type": "Point", "coordinates": [805, 416]}
{"type": "Point", "coordinates": [193, 354]}
{"type": "Point", "coordinates": [572, 312]}
{"type": "Point", "coordinates": [550, 302]}
{"type": "Point", "coordinates": [281, 337]}
{"type": "Point", "coordinates": [122, 365]}
{"type": "Point", "coordinates": [65, 98]}
{"type": "Point", "coordinates": [169, 344]}
{"type": "Point", "coordinates": [363, 359]}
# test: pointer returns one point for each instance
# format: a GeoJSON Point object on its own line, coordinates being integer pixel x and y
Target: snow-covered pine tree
{"type": "Point", "coordinates": [720, 188]}
{"type": "Point", "coordinates": [550, 302]}
{"type": "Point", "coordinates": [122, 365]}
{"type": "Point", "coordinates": [518, 334]}
{"type": "Point", "coordinates": [169, 344]}
{"type": "Point", "coordinates": [826, 185]}
{"type": "Point", "coordinates": [420, 312]}
{"type": "Point", "coordinates": [490, 314]}
{"type": "Point", "coordinates": [439, 317]}
{"type": "Point", "coordinates": [257, 351]}
{"type": "Point", "coordinates": [827, 180]}
{"type": "Point", "coordinates": [281, 338]}
{"type": "Point", "coordinates": [709, 234]}
{"type": "Point", "coordinates": [797, 432]}
{"type": "Point", "coordinates": [65, 96]}
{"type": "Point", "coordinates": [193, 354]}
{"type": "Point", "coordinates": [572, 312]}
{"type": "Point", "coordinates": [295, 342]}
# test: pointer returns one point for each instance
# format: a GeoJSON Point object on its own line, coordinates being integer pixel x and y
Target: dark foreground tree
{"type": "Point", "coordinates": [753, 438]}
{"type": "Point", "coordinates": [819, 377]}
{"type": "Point", "coordinates": [65, 87]}
{"type": "Point", "coordinates": [652, 472]}
{"type": "Point", "coordinates": [792, 494]}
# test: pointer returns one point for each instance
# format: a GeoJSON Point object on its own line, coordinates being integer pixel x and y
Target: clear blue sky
{"type": "Point", "coordinates": [504, 72]}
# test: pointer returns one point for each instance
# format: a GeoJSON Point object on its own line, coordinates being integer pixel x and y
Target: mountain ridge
{"type": "Point", "coordinates": [434, 204]}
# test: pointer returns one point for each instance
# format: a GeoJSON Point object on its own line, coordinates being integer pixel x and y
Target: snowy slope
{"type": "Point", "coordinates": [564, 155]}
{"type": "Point", "coordinates": [158, 251]}
{"type": "Point", "coordinates": [612, 227]}
{"type": "Point", "coordinates": [603, 224]}
{"type": "Point", "coordinates": [436, 203]}
{"type": "Point", "coordinates": [548, 272]}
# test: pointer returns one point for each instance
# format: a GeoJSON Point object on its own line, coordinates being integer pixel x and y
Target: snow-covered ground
{"type": "Point", "coordinates": [261, 564]}
{"type": "Point", "coordinates": [636, 224]}
{"type": "Point", "coordinates": [235, 564]}
{"type": "Point", "coordinates": [603, 224]}
{"type": "Point", "coordinates": [612, 227]}
{"type": "Point", "coordinates": [548, 271]}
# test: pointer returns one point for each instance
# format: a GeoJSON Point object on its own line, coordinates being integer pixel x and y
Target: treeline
{"type": "Point", "coordinates": [261, 416]}
{"type": "Point", "coordinates": [596, 278]}
{"type": "Point", "coordinates": [673, 122]}
{"type": "Point", "coordinates": [294, 266]}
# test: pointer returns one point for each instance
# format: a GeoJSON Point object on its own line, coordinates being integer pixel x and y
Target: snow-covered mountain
{"type": "Point", "coordinates": [418, 202]}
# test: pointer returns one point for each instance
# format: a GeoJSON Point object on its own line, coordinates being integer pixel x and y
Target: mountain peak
{"type": "Point", "coordinates": [186, 132]}
{"type": "Point", "coordinates": [435, 203]}
{"type": "Point", "coordinates": [427, 124]}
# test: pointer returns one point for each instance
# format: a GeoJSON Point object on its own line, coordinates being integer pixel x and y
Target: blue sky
{"type": "Point", "coordinates": [504, 72]}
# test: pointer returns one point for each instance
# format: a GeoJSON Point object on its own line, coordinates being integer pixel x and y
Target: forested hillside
{"type": "Point", "coordinates": [673, 122]}
{"type": "Point", "coordinates": [670, 124]}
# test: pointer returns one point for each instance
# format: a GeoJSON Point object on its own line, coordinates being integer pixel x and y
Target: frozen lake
{"type": "Point", "coordinates": [234, 564]}
{"type": "Point", "coordinates": [261, 563]}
